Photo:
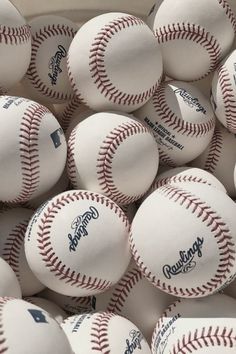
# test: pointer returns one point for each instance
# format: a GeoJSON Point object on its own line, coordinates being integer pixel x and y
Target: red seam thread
{"type": "Point", "coordinates": [229, 12]}
{"type": "Point", "coordinates": [214, 153]}
{"type": "Point", "coordinates": [17, 35]}
{"type": "Point", "coordinates": [99, 333]}
{"type": "Point", "coordinates": [71, 165]}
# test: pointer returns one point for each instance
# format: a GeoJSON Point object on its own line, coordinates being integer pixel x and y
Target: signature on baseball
{"type": "Point", "coordinates": [79, 227]}
{"type": "Point", "coordinates": [185, 263]}
{"type": "Point", "coordinates": [134, 342]}
{"type": "Point", "coordinates": [190, 100]}
{"type": "Point", "coordinates": [54, 64]}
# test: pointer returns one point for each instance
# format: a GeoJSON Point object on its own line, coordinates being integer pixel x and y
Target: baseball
{"type": "Point", "coordinates": [47, 78]}
{"type": "Point", "coordinates": [181, 119]}
{"type": "Point", "coordinates": [122, 153]}
{"type": "Point", "coordinates": [194, 254]}
{"type": "Point", "coordinates": [219, 158]}
{"type": "Point", "coordinates": [182, 175]}
{"type": "Point", "coordinates": [193, 39]}
{"type": "Point", "coordinates": [26, 328]}
{"type": "Point", "coordinates": [204, 326]}
{"type": "Point", "coordinates": [114, 63]}
{"type": "Point", "coordinates": [9, 283]}
{"type": "Point", "coordinates": [135, 298]}
{"type": "Point", "coordinates": [32, 149]}
{"type": "Point", "coordinates": [224, 92]}
{"type": "Point", "coordinates": [104, 332]}
{"type": "Point", "coordinates": [13, 224]}
{"type": "Point", "coordinates": [72, 305]}
{"type": "Point", "coordinates": [60, 253]}
{"type": "Point", "coordinates": [54, 310]}
{"type": "Point", "coordinates": [15, 45]}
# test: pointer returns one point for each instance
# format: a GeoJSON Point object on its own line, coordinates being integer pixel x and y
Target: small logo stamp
{"type": "Point", "coordinates": [186, 262]}
{"type": "Point", "coordinates": [191, 101]}
{"type": "Point", "coordinates": [56, 137]}
{"type": "Point", "coordinates": [133, 342]}
{"type": "Point", "coordinates": [38, 316]}
{"type": "Point", "coordinates": [55, 64]}
{"type": "Point", "coordinates": [79, 227]}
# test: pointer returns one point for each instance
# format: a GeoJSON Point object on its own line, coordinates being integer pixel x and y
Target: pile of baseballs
{"type": "Point", "coordinates": [118, 180]}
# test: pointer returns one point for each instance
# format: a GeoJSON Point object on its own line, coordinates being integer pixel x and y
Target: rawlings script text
{"type": "Point", "coordinates": [185, 263]}
{"type": "Point", "coordinates": [79, 227]}
{"type": "Point", "coordinates": [134, 342]}
{"type": "Point", "coordinates": [190, 100]}
{"type": "Point", "coordinates": [54, 64]}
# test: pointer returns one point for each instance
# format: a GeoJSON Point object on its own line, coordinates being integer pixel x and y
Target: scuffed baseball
{"type": "Point", "coordinates": [136, 299]}
{"type": "Point", "coordinates": [96, 332]}
{"type": "Point", "coordinates": [224, 92]}
{"type": "Point", "coordinates": [114, 62]}
{"type": "Point", "coordinates": [32, 149]}
{"type": "Point", "coordinates": [78, 257]}
{"type": "Point", "coordinates": [122, 153]}
{"type": "Point", "coordinates": [191, 243]}
{"type": "Point", "coordinates": [181, 119]}
{"type": "Point", "coordinates": [13, 225]}
{"type": "Point", "coordinates": [219, 158]}
{"type": "Point", "coordinates": [194, 35]}
{"type": "Point", "coordinates": [9, 284]}
{"type": "Point", "coordinates": [26, 328]}
{"type": "Point", "coordinates": [55, 311]}
{"type": "Point", "coordinates": [15, 45]}
{"type": "Point", "coordinates": [197, 326]}
{"type": "Point", "coordinates": [47, 78]}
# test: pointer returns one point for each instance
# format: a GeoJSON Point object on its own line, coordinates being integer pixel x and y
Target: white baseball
{"type": "Point", "coordinates": [219, 158]}
{"type": "Point", "coordinates": [194, 254]}
{"type": "Point", "coordinates": [32, 149]}
{"type": "Point", "coordinates": [78, 257]}
{"type": "Point", "coordinates": [104, 332]}
{"type": "Point", "coordinates": [26, 328]}
{"type": "Point", "coordinates": [136, 299]}
{"type": "Point", "coordinates": [72, 305]}
{"type": "Point", "coordinates": [203, 326]}
{"type": "Point", "coordinates": [13, 225]}
{"type": "Point", "coordinates": [55, 311]}
{"type": "Point", "coordinates": [235, 176]}
{"type": "Point", "coordinates": [122, 153]}
{"type": "Point", "coordinates": [47, 78]}
{"type": "Point", "coordinates": [194, 35]}
{"type": "Point", "coordinates": [114, 62]}
{"type": "Point", "coordinates": [181, 119]}
{"type": "Point", "coordinates": [224, 92]}
{"type": "Point", "coordinates": [15, 45]}
{"type": "Point", "coordinates": [182, 175]}
{"type": "Point", "coordinates": [9, 284]}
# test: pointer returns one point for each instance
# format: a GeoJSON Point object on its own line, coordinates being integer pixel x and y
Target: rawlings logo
{"type": "Point", "coordinates": [190, 100]}
{"type": "Point", "coordinates": [134, 342]}
{"type": "Point", "coordinates": [79, 225]}
{"type": "Point", "coordinates": [54, 64]}
{"type": "Point", "coordinates": [185, 263]}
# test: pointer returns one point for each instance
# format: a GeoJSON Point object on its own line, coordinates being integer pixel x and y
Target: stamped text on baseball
{"type": "Point", "coordinates": [79, 227]}
{"type": "Point", "coordinates": [54, 64]}
{"type": "Point", "coordinates": [134, 342]}
{"type": "Point", "coordinates": [190, 100]}
{"type": "Point", "coordinates": [186, 261]}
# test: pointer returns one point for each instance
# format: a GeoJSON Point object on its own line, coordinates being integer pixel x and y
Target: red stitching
{"type": "Point", "coordinates": [164, 159]}
{"type": "Point", "coordinates": [52, 261]}
{"type": "Point", "coordinates": [71, 166]}
{"type": "Point", "coordinates": [214, 153]}
{"type": "Point", "coordinates": [221, 234]}
{"type": "Point", "coordinates": [32, 73]}
{"type": "Point", "coordinates": [13, 246]}
{"type": "Point", "coordinates": [68, 112]}
{"type": "Point", "coordinates": [228, 97]}
{"type": "Point", "coordinates": [105, 158]}
{"type": "Point", "coordinates": [17, 35]}
{"type": "Point", "coordinates": [3, 345]}
{"type": "Point", "coordinates": [228, 12]}
{"type": "Point", "coordinates": [176, 123]}
{"type": "Point", "coordinates": [205, 337]}
{"type": "Point", "coordinates": [29, 150]}
{"type": "Point", "coordinates": [122, 290]}
{"type": "Point", "coordinates": [195, 33]}
{"type": "Point", "coordinates": [99, 333]}
{"type": "Point", "coordinates": [98, 69]}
